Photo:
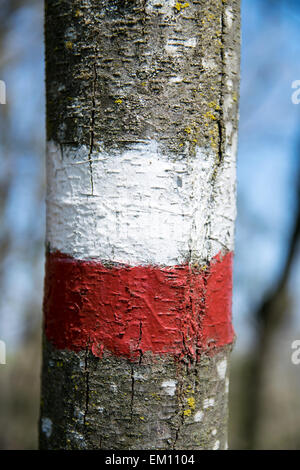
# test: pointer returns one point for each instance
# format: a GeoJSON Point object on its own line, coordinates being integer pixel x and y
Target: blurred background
{"type": "Point", "coordinates": [265, 384]}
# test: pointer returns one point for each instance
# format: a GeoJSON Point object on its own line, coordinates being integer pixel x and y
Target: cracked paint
{"type": "Point", "coordinates": [129, 311]}
{"type": "Point", "coordinates": [142, 140]}
{"type": "Point", "coordinates": [138, 213]}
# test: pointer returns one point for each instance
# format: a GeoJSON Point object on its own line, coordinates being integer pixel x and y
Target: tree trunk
{"type": "Point", "coordinates": [142, 105]}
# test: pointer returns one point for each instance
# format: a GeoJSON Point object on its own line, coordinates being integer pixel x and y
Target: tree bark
{"type": "Point", "coordinates": [142, 111]}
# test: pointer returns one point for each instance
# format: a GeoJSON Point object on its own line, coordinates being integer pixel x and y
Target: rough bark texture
{"type": "Point", "coordinates": [123, 70]}
{"type": "Point", "coordinates": [121, 73]}
{"type": "Point", "coordinates": [110, 403]}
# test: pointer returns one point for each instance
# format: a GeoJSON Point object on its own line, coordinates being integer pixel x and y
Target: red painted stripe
{"type": "Point", "coordinates": [128, 311]}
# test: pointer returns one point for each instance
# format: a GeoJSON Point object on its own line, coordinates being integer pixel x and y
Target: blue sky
{"type": "Point", "coordinates": [267, 156]}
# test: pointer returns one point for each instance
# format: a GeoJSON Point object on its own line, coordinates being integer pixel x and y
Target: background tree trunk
{"type": "Point", "coordinates": [142, 105]}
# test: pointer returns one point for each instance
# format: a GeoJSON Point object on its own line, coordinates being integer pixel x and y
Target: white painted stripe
{"type": "Point", "coordinates": [146, 208]}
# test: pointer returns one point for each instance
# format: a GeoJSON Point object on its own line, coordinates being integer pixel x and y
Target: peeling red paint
{"type": "Point", "coordinates": [128, 311]}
